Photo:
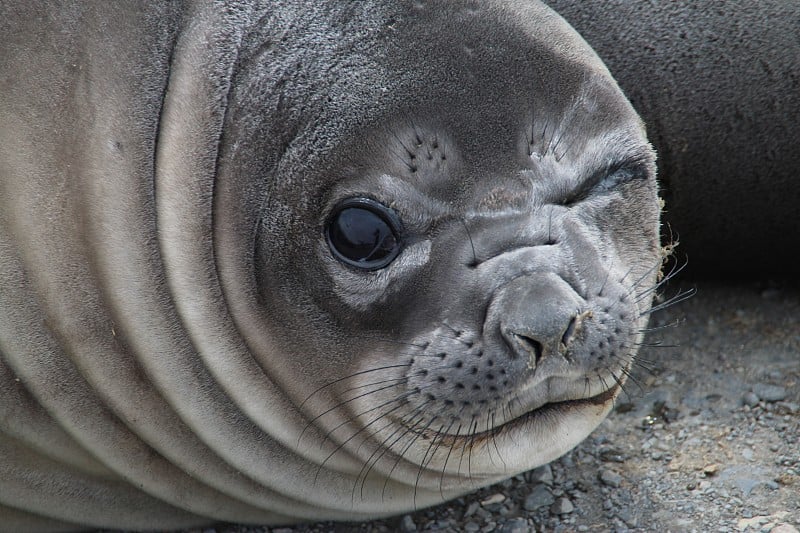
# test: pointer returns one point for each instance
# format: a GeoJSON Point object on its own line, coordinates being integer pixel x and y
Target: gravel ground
{"type": "Point", "coordinates": [707, 439]}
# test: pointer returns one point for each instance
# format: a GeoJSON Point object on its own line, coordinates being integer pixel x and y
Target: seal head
{"type": "Point", "coordinates": [471, 256]}
{"type": "Point", "coordinates": [289, 261]}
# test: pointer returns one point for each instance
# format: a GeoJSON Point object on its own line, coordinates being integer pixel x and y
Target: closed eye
{"type": "Point", "coordinates": [607, 179]}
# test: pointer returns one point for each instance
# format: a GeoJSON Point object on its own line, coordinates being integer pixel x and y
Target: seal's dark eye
{"type": "Point", "coordinates": [364, 233]}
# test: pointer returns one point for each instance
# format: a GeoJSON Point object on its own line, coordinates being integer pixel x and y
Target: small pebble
{"type": "Point", "coordinates": [610, 478]}
{"type": "Point", "coordinates": [540, 496]}
{"type": "Point", "coordinates": [750, 399]}
{"type": "Point", "coordinates": [471, 508]}
{"type": "Point", "coordinates": [493, 499]}
{"type": "Point", "coordinates": [543, 474]}
{"type": "Point", "coordinates": [472, 527]}
{"type": "Point", "coordinates": [562, 506]}
{"type": "Point", "coordinates": [407, 524]}
{"type": "Point", "coordinates": [516, 525]}
{"type": "Point", "coordinates": [790, 407]}
{"type": "Point", "coordinates": [612, 455]}
{"type": "Point", "coordinates": [628, 517]}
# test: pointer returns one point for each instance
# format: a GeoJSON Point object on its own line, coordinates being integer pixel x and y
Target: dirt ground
{"type": "Point", "coordinates": [706, 439]}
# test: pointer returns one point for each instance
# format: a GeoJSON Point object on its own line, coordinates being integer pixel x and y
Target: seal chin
{"type": "Point", "coordinates": [548, 432]}
{"type": "Point", "coordinates": [536, 437]}
{"type": "Point", "coordinates": [542, 414]}
{"type": "Point", "coordinates": [563, 408]}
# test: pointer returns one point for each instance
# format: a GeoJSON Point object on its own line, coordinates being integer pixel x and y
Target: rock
{"type": "Point", "coordinates": [750, 399]}
{"type": "Point", "coordinates": [471, 509]}
{"type": "Point", "coordinates": [627, 516]}
{"type": "Point", "coordinates": [543, 474]}
{"type": "Point", "coordinates": [612, 455]}
{"type": "Point", "coordinates": [493, 499]}
{"type": "Point", "coordinates": [407, 524]}
{"type": "Point", "coordinates": [784, 528]}
{"type": "Point", "coordinates": [562, 506]}
{"type": "Point", "coordinates": [770, 393]}
{"type": "Point", "coordinates": [540, 496]}
{"type": "Point", "coordinates": [472, 527]}
{"type": "Point", "coordinates": [610, 478]}
{"type": "Point", "coordinates": [516, 525]}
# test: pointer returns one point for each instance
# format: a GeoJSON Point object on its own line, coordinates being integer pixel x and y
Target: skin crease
{"type": "Point", "coordinates": [179, 345]}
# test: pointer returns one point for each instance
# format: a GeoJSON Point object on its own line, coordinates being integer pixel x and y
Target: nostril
{"type": "Point", "coordinates": [569, 331]}
{"type": "Point", "coordinates": [529, 346]}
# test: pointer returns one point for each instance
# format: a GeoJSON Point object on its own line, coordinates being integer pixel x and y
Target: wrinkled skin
{"type": "Point", "coordinates": [178, 343]}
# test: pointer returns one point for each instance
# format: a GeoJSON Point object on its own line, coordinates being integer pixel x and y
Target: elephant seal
{"type": "Point", "coordinates": [287, 261]}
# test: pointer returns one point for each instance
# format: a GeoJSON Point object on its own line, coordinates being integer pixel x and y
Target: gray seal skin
{"type": "Point", "coordinates": [190, 328]}
{"type": "Point", "coordinates": [718, 85]}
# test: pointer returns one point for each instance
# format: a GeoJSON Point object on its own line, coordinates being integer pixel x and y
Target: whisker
{"type": "Point", "coordinates": [603, 285]}
{"type": "Point", "coordinates": [632, 379]}
{"type": "Point", "coordinates": [678, 298]}
{"type": "Point", "coordinates": [402, 453]}
{"type": "Point", "coordinates": [635, 285]}
{"type": "Point", "coordinates": [354, 435]}
{"type": "Point", "coordinates": [475, 261]}
{"type": "Point", "coordinates": [656, 344]}
{"type": "Point", "coordinates": [674, 272]}
{"type": "Point", "coordinates": [628, 273]}
{"type": "Point", "coordinates": [360, 373]}
{"type": "Point", "coordinates": [417, 436]}
{"type": "Point", "coordinates": [422, 462]}
{"type": "Point", "coordinates": [447, 458]}
{"type": "Point", "coordinates": [381, 382]}
{"type": "Point", "coordinates": [645, 364]}
{"type": "Point", "coordinates": [473, 431]}
{"type": "Point", "coordinates": [488, 432]}
{"type": "Point", "coordinates": [674, 324]}
{"type": "Point", "coordinates": [338, 405]}
{"type": "Point", "coordinates": [375, 456]}
{"type": "Point", "coordinates": [494, 441]}
{"type": "Point", "coordinates": [463, 452]}
{"type": "Point", "coordinates": [400, 398]}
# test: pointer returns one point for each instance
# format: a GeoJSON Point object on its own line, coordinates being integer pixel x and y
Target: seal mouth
{"type": "Point", "coordinates": [548, 411]}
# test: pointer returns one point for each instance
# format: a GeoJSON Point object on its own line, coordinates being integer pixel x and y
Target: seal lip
{"type": "Point", "coordinates": [546, 410]}
{"type": "Point", "coordinates": [385, 213]}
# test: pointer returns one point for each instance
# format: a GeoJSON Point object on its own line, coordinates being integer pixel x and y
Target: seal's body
{"type": "Point", "coordinates": [282, 261]}
{"type": "Point", "coordinates": [276, 262]}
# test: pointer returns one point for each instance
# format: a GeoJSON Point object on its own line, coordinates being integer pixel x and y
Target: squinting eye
{"type": "Point", "coordinates": [364, 233]}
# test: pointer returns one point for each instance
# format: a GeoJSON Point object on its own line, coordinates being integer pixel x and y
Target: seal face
{"type": "Point", "coordinates": [485, 262]}
{"type": "Point", "coordinates": [500, 328]}
{"type": "Point", "coordinates": [360, 259]}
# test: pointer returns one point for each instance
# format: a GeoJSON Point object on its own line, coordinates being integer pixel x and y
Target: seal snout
{"type": "Point", "coordinates": [541, 317]}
